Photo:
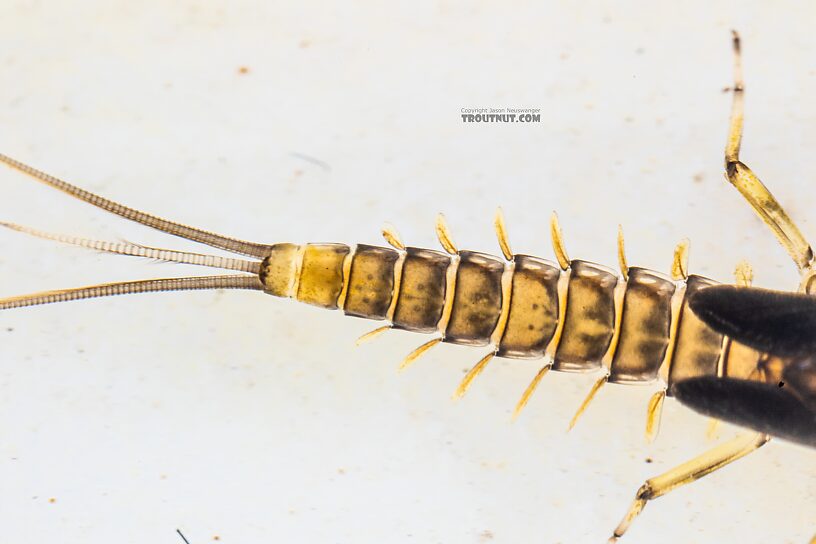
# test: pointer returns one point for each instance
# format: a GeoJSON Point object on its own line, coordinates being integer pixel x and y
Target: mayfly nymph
{"type": "Point", "coordinates": [630, 324]}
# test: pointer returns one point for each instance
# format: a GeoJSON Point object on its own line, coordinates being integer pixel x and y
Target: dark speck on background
{"type": "Point", "coordinates": [243, 70]}
{"type": "Point", "coordinates": [486, 535]}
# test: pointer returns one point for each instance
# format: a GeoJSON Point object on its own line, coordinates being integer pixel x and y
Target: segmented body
{"type": "Point", "coordinates": [582, 318]}
{"type": "Point", "coordinates": [578, 315]}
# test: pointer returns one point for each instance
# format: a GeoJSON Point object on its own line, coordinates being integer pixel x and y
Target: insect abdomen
{"type": "Point", "coordinates": [697, 347]}
{"type": "Point", "coordinates": [322, 277]}
{"type": "Point", "coordinates": [589, 322]}
{"type": "Point", "coordinates": [279, 270]}
{"type": "Point", "coordinates": [533, 314]}
{"type": "Point", "coordinates": [423, 288]}
{"type": "Point", "coordinates": [477, 299]}
{"type": "Point", "coordinates": [371, 282]}
{"type": "Point", "coordinates": [645, 327]}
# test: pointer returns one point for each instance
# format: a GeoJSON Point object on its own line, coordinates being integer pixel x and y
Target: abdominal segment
{"type": "Point", "coordinates": [584, 318]}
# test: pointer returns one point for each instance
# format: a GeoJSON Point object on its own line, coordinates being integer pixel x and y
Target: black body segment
{"type": "Point", "coordinates": [645, 327]}
{"type": "Point", "coordinates": [371, 282]}
{"type": "Point", "coordinates": [589, 322]}
{"type": "Point", "coordinates": [477, 299]}
{"type": "Point", "coordinates": [697, 346]}
{"type": "Point", "coordinates": [533, 313]}
{"type": "Point", "coordinates": [422, 290]}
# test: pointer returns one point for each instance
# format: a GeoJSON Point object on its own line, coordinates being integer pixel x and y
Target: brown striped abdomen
{"type": "Point", "coordinates": [589, 322]}
{"type": "Point", "coordinates": [533, 315]}
{"type": "Point", "coordinates": [645, 327]}
{"type": "Point", "coordinates": [698, 347]}
{"type": "Point", "coordinates": [423, 286]}
{"type": "Point", "coordinates": [477, 299]}
{"type": "Point", "coordinates": [371, 282]}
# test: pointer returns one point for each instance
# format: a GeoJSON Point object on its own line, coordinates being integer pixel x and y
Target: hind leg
{"type": "Point", "coordinates": [753, 190]}
{"type": "Point", "coordinates": [694, 469]}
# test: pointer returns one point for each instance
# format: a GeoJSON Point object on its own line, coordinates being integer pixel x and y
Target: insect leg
{"type": "Point", "coordinates": [692, 470]}
{"type": "Point", "coordinates": [749, 185]}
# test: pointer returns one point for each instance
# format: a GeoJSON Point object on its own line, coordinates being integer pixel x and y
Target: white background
{"type": "Point", "coordinates": [254, 419]}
